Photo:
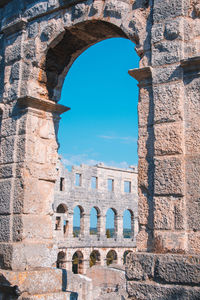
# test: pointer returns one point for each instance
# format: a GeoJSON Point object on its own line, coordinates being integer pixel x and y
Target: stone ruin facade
{"type": "Point", "coordinates": [101, 188]}
{"type": "Point", "coordinates": [39, 40]}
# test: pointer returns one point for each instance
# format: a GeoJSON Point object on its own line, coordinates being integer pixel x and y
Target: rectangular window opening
{"type": "Point", "coordinates": [62, 184]}
{"type": "Point", "coordinates": [110, 185]}
{"type": "Point", "coordinates": [94, 182]}
{"type": "Point", "coordinates": [78, 179]}
{"type": "Point", "coordinates": [127, 186]}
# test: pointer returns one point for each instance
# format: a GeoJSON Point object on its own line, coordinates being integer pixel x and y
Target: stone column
{"type": "Point", "coordinates": [119, 220]}
{"type": "Point", "coordinates": [70, 225]}
{"type": "Point", "coordinates": [145, 154]}
{"type": "Point", "coordinates": [86, 225]}
{"type": "Point", "coordinates": [28, 171]}
{"type": "Point", "coordinates": [102, 222]}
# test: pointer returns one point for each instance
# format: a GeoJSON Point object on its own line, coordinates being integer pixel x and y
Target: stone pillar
{"type": "Point", "coordinates": [29, 158]}
{"type": "Point", "coordinates": [102, 222]}
{"type": "Point", "coordinates": [70, 225]}
{"type": "Point", "coordinates": [120, 225]}
{"type": "Point", "coordinates": [145, 154]}
{"type": "Point", "coordinates": [86, 225]}
{"type": "Point", "coordinates": [135, 227]}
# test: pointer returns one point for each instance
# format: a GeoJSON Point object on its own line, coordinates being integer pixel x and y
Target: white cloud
{"type": "Point", "coordinates": [123, 139]}
{"type": "Point", "coordinates": [70, 160]}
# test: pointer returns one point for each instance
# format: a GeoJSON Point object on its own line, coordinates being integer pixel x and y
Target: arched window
{"type": "Point", "coordinates": [95, 221]}
{"type": "Point", "coordinates": [125, 255]}
{"type": "Point", "coordinates": [61, 219]}
{"type": "Point", "coordinates": [111, 257]}
{"type": "Point", "coordinates": [95, 258]}
{"type": "Point", "coordinates": [61, 209]}
{"type": "Point", "coordinates": [78, 225]}
{"type": "Point", "coordinates": [111, 223]}
{"type": "Point", "coordinates": [77, 262]}
{"type": "Point", "coordinates": [61, 260]}
{"type": "Point", "coordinates": [128, 224]}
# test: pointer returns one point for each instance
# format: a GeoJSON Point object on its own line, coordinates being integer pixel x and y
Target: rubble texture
{"type": "Point", "coordinates": [39, 40]}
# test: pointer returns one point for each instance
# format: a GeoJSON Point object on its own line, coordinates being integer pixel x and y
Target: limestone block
{"type": "Point", "coordinates": [23, 256]}
{"type": "Point", "coordinates": [6, 256]}
{"type": "Point", "coordinates": [168, 241]}
{"type": "Point", "coordinates": [194, 242]}
{"type": "Point", "coordinates": [169, 176]}
{"type": "Point", "coordinates": [143, 209]}
{"type": "Point", "coordinates": [5, 196]}
{"type": "Point", "coordinates": [14, 74]}
{"type": "Point", "coordinates": [163, 213]}
{"type": "Point", "coordinates": [193, 191]}
{"type": "Point", "coordinates": [13, 52]}
{"type": "Point", "coordinates": [115, 9]}
{"type": "Point", "coordinates": [7, 149]}
{"type": "Point", "coordinates": [145, 171]}
{"type": "Point", "coordinates": [50, 296]}
{"type": "Point", "coordinates": [167, 102]}
{"type": "Point", "coordinates": [34, 282]}
{"type": "Point", "coordinates": [172, 30]}
{"type": "Point", "coordinates": [192, 114]}
{"type": "Point", "coordinates": [38, 196]}
{"type": "Point", "coordinates": [169, 9]}
{"type": "Point", "coordinates": [157, 33]}
{"type": "Point", "coordinates": [5, 228]}
{"type": "Point", "coordinates": [166, 53]}
{"type": "Point", "coordinates": [79, 10]}
{"type": "Point", "coordinates": [145, 106]}
{"type": "Point", "coordinates": [179, 211]}
{"type": "Point", "coordinates": [36, 227]}
{"type": "Point", "coordinates": [35, 9]}
{"type": "Point", "coordinates": [178, 269]}
{"type": "Point", "coordinates": [168, 139]}
{"type": "Point", "coordinates": [145, 142]}
{"type": "Point", "coordinates": [6, 171]}
{"type": "Point", "coordinates": [167, 74]}
{"type": "Point", "coordinates": [139, 267]}
{"type": "Point", "coordinates": [140, 290]}
{"type": "Point", "coordinates": [8, 127]}
{"type": "Point", "coordinates": [33, 29]}
{"type": "Point", "coordinates": [143, 242]}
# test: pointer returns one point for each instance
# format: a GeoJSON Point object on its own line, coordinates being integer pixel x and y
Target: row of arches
{"type": "Point", "coordinates": [110, 222]}
{"type": "Point", "coordinates": [94, 259]}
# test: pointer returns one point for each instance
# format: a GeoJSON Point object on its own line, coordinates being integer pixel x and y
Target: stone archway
{"type": "Point", "coordinates": [168, 145]}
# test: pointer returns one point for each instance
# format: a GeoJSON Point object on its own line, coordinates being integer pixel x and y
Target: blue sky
{"type": "Point", "coordinates": [102, 123]}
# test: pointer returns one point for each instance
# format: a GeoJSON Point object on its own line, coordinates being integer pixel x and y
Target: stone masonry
{"type": "Point", "coordinates": [39, 41]}
{"type": "Point", "coordinates": [68, 195]}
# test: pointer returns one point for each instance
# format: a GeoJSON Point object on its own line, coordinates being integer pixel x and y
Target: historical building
{"type": "Point", "coordinates": [98, 188]}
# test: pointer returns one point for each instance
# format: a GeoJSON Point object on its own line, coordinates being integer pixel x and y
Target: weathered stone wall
{"type": "Point", "coordinates": [39, 40]}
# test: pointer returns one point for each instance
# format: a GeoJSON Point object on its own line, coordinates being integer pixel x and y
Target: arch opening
{"type": "Point", "coordinates": [111, 257]}
{"type": "Point", "coordinates": [74, 41]}
{"type": "Point", "coordinates": [61, 260]}
{"type": "Point", "coordinates": [61, 209]}
{"type": "Point", "coordinates": [95, 221]}
{"type": "Point", "coordinates": [77, 263]}
{"type": "Point", "coordinates": [111, 223]}
{"type": "Point", "coordinates": [78, 221]}
{"type": "Point", "coordinates": [128, 224]}
{"type": "Point", "coordinates": [95, 258]}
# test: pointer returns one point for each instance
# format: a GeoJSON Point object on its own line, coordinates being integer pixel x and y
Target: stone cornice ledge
{"type": "Point", "coordinates": [43, 105]}
{"type": "Point", "coordinates": [142, 75]}
{"type": "Point", "coordinates": [191, 64]}
{"type": "Point", "coordinates": [17, 25]}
